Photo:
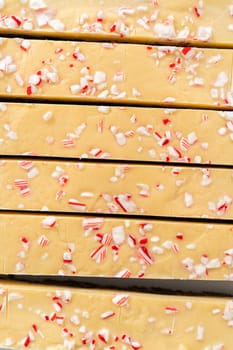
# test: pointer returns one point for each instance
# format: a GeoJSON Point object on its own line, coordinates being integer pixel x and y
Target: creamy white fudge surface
{"type": "Point", "coordinates": [52, 318]}
{"type": "Point", "coordinates": [111, 247]}
{"type": "Point", "coordinates": [129, 133]}
{"type": "Point", "coordinates": [65, 186]}
{"type": "Point", "coordinates": [196, 22]}
{"type": "Point", "coordinates": [120, 73]}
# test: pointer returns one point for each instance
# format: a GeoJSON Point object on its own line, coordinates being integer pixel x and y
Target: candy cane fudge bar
{"type": "Point", "coordinates": [111, 247]}
{"type": "Point", "coordinates": [196, 22]}
{"type": "Point", "coordinates": [53, 318]}
{"type": "Point", "coordinates": [115, 188]}
{"type": "Point", "coordinates": [129, 133]}
{"type": "Point", "coordinates": [122, 73]}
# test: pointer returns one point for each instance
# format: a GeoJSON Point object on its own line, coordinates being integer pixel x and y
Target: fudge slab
{"type": "Point", "coordinates": [110, 247]}
{"type": "Point", "coordinates": [195, 22]}
{"type": "Point", "coordinates": [116, 188]}
{"type": "Point", "coordinates": [122, 73]}
{"type": "Point", "coordinates": [129, 133]}
{"type": "Point", "coordinates": [51, 318]}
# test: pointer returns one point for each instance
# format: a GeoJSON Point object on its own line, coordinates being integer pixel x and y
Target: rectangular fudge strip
{"type": "Point", "coordinates": [123, 73]}
{"type": "Point", "coordinates": [51, 318]}
{"type": "Point", "coordinates": [110, 247]}
{"type": "Point", "coordinates": [208, 21]}
{"type": "Point", "coordinates": [116, 188]}
{"type": "Point", "coordinates": [97, 132]}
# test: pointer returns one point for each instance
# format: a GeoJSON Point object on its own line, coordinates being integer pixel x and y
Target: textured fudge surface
{"type": "Point", "coordinates": [97, 132]}
{"type": "Point", "coordinates": [110, 247]}
{"type": "Point", "coordinates": [123, 73]}
{"type": "Point", "coordinates": [114, 188]}
{"type": "Point", "coordinates": [46, 318]}
{"type": "Point", "coordinates": [197, 22]}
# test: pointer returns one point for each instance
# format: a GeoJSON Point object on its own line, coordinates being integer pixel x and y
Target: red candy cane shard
{"type": "Point", "coordinates": [125, 202]}
{"type": "Point", "coordinates": [132, 241]}
{"type": "Point", "coordinates": [17, 20]}
{"type": "Point", "coordinates": [106, 239]}
{"type": "Point", "coordinates": [171, 310]}
{"type": "Point", "coordinates": [26, 164]}
{"type": "Point", "coordinates": [63, 179]}
{"type": "Point", "coordinates": [25, 242]}
{"type": "Point", "coordinates": [196, 11]}
{"type": "Point", "coordinates": [68, 143]}
{"type": "Point", "coordinates": [59, 195]}
{"type": "Point", "coordinates": [103, 335]}
{"type": "Point", "coordinates": [107, 314]}
{"type": "Point", "coordinates": [35, 328]}
{"type": "Point", "coordinates": [125, 273]}
{"type": "Point", "coordinates": [99, 254]}
{"type": "Point", "coordinates": [49, 222]}
{"type": "Point", "coordinates": [144, 255]}
{"type": "Point", "coordinates": [120, 299]}
{"type": "Point", "coordinates": [76, 205]}
{"type": "Point", "coordinates": [67, 258]}
{"type": "Point", "coordinates": [43, 241]}
{"type": "Point", "coordinates": [26, 341]}
{"type": "Point", "coordinates": [23, 186]}
{"type": "Point", "coordinates": [184, 144]}
{"type": "Point", "coordinates": [179, 235]}
{"type": "Point", "coordinates": [21, 183]}
{"type": "Point", "coordinates": [92, 223]}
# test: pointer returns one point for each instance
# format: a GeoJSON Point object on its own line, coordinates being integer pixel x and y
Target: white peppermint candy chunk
{"type": "Point", "coordinates": [219, 346]}
{"type": "Point", "coordinates": [47, 116]}
{"type": "Point", "coordinates": [57, 25]}
{"type": "Point", "coordinates": [222, 131]}
{"type": "Point", "coordinates": [200, 270]}
{"type": "Point", "coordinates": [120, 139]}
{"type": "Point", "coordinates": [184, 33]}
{"type": "Point", "coordinates": [221, 80]}
{"type": "Point", "coordinates": [37, 4]}
{"type": "Point", "coordinates": [228, 115]}
{"type": "Point", "coordinates": [49, 222]}
{"type": "Point", "coordinates": [165, 30]}
{"type": "Point", "coordinates": [229, 252]}
{"type": "Point", "coordinates": [188, 199]}
{"type": "Point", "coordinates": [200, 332]}
{"type": "Point", "coordinates": [104, 109]}
{"type": "Point", "coordinates": [75, 89]}
{"type": "Point", "coordinates": [204, 33]}
{"type": "Point", "coordinates": [14, 296]}
{"type": "Point", "coordinates": [118, 234]}
{"type": "Point", "coordinates": [206, 180]}
{"type": "Point", "coordinates": [230, 125]}
{"type": "Point", "coordinates": [12, 135]}
{"type": "Point", "coordinates": [214, 59]}
{"type": "Point", "coordinates": [3, 107]}
{"type": "Point", "coordinates": [99, 77]}
{"type": "Point", "coordinates": [42, 19]}
{"type": "Point", "coordinates": [34, 79]}
{"type": "Point", "coordinates": [25, 45]}
{"type": "Point", "coordinates": [33, 172]}
{"type": "Point", "coordinates": [75, 320]}
{"type": "Point", "coordinates": [213, 264]}
{"type": "Point", "coordinates": [120, 299]}
{"type": "Point", "coordinates": [192, 138]}
{"type": "Point", "coordinates": [19, 80]}
{"type": "Point", "coordinates": [103, 94]}
{"type": "Point", "coordinates": [52, 77]}
{"type": "Point", "coordinates": [69, 344]}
